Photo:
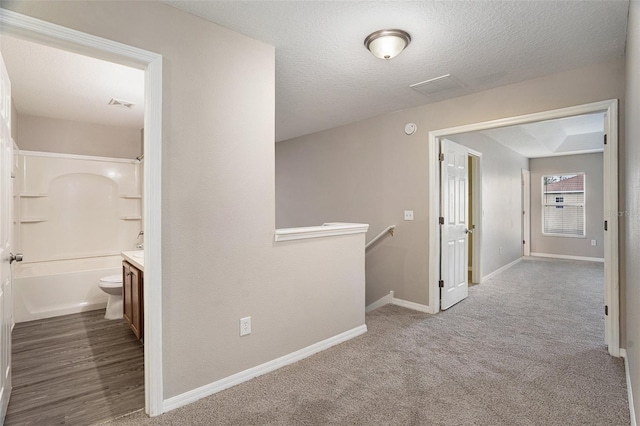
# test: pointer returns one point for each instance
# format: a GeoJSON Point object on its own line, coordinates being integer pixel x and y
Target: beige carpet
{"type": "Point", "coordinates": [525, 348]}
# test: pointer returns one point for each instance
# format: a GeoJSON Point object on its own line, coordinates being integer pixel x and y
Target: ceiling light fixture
{"type": "Point", "coordinates": [387, 44]}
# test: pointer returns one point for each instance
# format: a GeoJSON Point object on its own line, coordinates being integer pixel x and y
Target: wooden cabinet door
{"type": "Point", "coordinates": [127, 292]}
{"type": "Point", "coordinates": [132, 279]}
{"type": "Point", "coordinates": [136, 301]}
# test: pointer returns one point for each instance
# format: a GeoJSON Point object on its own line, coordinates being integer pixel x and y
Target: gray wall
{"type": "Point", "coordinates": [501, 200]}
{"type": "Point", "coordinates": [73, 137]}
{"type": "Point", "coordinates": [630, 217]}
{"type": "Point", "coordinates": [592, 166]}
{"type": "Point", "coordinates": [371, 171]}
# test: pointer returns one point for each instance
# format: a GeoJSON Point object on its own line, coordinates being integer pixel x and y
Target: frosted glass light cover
{"type": "Point", "coordinates": [387, 44]}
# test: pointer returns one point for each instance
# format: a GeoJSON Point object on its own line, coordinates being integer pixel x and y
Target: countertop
{"type": "Point", "coordinates": [136, 258]}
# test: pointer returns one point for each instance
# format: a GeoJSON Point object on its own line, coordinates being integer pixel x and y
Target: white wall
{"type": "Point", "coordinates": [371, 171]}
{"type": "Point", "coordinates": [592, 166]}
{"type": "Point", "coordinates": [631, 215]}
{"type": "Point", "coordinates": [46, 134]}
{"type": "Point", "coordinates": [220, 262]}
{"type": "Point", "coordinates": [501, 200]}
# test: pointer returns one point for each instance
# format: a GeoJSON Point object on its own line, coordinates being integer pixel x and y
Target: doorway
{"type": "Point", "coordinates": [32, 29]}
{"type": "Point", "coordinates": [460, 221]}
{"type": "Point", "coordinates": [610, 180]}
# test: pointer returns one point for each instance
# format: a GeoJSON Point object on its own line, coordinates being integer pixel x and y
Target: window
{"type": "Point", "coordinates": [563, 212]}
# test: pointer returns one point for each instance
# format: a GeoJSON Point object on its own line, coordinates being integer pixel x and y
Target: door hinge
{"type": "Point", "coordinates": [441, 156]}
{"type": "Point", "coordinates": [606, 310]}
{"type": "Point", "coordinates": [441, 220]}
{"type": "Point", "coordinates": [441, 284]}
{"type": "Point", "coordinates": [605, 225]}
{"type": "Point", "coordinates": [605, 139]}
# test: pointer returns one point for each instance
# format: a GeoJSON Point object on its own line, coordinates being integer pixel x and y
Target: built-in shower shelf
{"type": "Point", "coordinates": [27, 195]}
{"type": "Point", "coordinates": [33, 220]}
{"type": "Point", "coordinates": [130, 196]}
{"type": "Point", "coordinates": [131, 218]}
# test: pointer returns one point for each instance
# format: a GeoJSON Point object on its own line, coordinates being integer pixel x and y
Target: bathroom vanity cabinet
{"type": "Point", "coordinates": [132, 279]}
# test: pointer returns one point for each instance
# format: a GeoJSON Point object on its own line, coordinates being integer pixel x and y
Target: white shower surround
{"type": "Point", "coordinates": [74, 215]}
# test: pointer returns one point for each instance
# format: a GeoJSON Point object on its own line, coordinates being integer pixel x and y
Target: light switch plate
{"type": "Point", "coordinates": [594, 243]}
{"type": "Point", "coordinates": [408, 215]}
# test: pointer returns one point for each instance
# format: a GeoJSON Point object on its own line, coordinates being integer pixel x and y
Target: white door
{"type": "Point", "coordinates": [526, 211]}
{"type": "Point", "coordinates": [6, 224]}
{"type": "Point", "coordinates": [454, 242]}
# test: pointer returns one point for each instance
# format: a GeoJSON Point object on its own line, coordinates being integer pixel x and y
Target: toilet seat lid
{"type": "Point", "coordinates": [112, 279]}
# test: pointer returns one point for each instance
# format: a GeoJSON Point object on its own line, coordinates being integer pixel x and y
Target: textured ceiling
{"type": "Point", "coordinates": [565, 136]}
{"type": "Point", "coordinates": [54, 83]}
{"type": "Point", "coordinates": [325, 77]}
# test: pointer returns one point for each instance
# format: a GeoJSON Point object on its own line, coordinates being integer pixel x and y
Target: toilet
{"type": "Point", "coordinates": [112, 285]}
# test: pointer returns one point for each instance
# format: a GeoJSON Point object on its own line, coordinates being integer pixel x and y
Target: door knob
{"type": "Point", "coordinates": [15, 257]}
{"type": "Point", "coordinates": [468, 231]}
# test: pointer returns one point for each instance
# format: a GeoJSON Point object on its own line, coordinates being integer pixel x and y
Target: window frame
{"type": "Point", "coordinates": [562, 205]}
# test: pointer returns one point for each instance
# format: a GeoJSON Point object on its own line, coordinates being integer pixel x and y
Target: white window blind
{"type": "Point", "coordinates": [563, 199]}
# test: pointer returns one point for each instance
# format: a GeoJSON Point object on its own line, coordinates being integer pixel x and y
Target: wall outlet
{"type": "Point", "coordinates": [499, 250]}
{"type": "Point", "coordinates": [245, 326]}
{"type": "Point", "coordinates": [594, 243]}
{"type": "Point", "coordinates": [408, 215]}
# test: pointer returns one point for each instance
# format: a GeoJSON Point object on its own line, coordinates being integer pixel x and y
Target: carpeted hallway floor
{"type": "Point", "coordinates": [525, 348]}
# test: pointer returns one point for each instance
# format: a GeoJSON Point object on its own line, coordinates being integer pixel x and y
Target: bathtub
{"type": "Point", "coordinates": [62, 287]}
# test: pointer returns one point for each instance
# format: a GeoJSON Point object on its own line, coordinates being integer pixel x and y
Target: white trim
{"type": "Point", "coordinates": [76, 157]}
{"type": "Point", "coordinates": [385, 300]}
{"type": "Point", "coordinates": [390, 299]}
{"type": "Point", "coordinates": [433, 261]}
{"type": "Point", "coordinates": [568, 257]}
{"type": "Point", "coordinates": [243, 376]}
{"type": "Point", "coordinates": [611, 243]}
{"type": "Point", "coordinates": [152, 214]}
{"type": "Point", "coordinates": [501, 269]}
{"type": "Point", "coordinates": [411, 305]}
{"type": "Point", "coordinates": [328, 230]}
{"type": "Point", "coordinates": [44, 32]}
{"type": "Point", "coordinates": [526, 212]}
{"type": "Point", "coordinates": [632, 410]}
{"type": "Point", "coordinates": [610, 181]}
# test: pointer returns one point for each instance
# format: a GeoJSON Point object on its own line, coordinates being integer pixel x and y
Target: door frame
{"type": "Point", "coordinates": [39, 31]}
{"type": "Point", "coordinates": [476, 216]}
{"type": "Point", "coordinates": [610, 181]}
{"type": "Point", "coordinates": [526, 212]}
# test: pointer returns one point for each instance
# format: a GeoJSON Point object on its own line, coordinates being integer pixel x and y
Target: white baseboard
{"type": "Point", "coordinates": [567, 257]}
{"type": "Point", "coordinates": [380, 302]}
{"type": "Point", "coordinates": [632, 411]}
{"type": "Point", "coordinates": [411, 305]}
{"type": "Point", "coordinates": [502, 269]}
{"type": "Point", "coordinates": [243, 376]}
{"type": "Point", "coordinates": [390, 299]}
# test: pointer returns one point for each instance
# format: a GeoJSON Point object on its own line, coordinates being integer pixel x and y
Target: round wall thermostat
{"type": "Point", "coordinates": [410, 128]}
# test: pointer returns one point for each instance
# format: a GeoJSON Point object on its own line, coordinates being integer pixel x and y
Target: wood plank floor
{"type": "Point", "coordinates": [75, 369]}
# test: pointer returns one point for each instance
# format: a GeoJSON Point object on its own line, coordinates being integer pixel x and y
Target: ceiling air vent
{"type": "Point", "coordinates": [436, 85]}
{"type": "Point", "coordinates": [122, 104]}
